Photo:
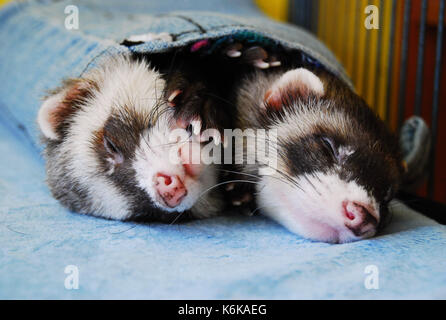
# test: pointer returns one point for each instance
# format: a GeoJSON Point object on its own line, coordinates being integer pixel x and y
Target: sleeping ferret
{"type": "Point", "coordinates": [337, 166]}
{"type": "Point", "coordinates": [119, 139]}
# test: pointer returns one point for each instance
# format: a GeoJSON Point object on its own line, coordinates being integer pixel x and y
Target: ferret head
{"type": "Point", "coordinates": [110, 149]}
{"type": "Point", "coordinates": [337, 164]}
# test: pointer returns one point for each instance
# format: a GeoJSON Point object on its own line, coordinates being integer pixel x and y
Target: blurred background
{"type": "Point", "coordinates": [397, 68]}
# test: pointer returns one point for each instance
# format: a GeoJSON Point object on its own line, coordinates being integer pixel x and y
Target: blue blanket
{"type": "Point", "coordinates": [225, 257]}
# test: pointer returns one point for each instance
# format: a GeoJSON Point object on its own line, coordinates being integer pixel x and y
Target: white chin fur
{"type": "Point", "coordinates": [152, 157]}
{"type": "Point", "coordinates": [314, 210]}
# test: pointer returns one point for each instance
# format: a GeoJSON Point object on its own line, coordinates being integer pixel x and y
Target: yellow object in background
{"type": "Point", "coordinates": [356, 47]}
{"type": "Point", "coordinates": [276, 9]}
{"type": "Point", "coordinates": [384, 63]}
{"type": "Point", "coordinates": [372, 59]}
{"type": "Point", "coordinates": [349, 44]}
{"type": "Point", "coordinates": [322, 20]}
{"type": "Point", "coordinates": [3, 2]}
{"type": "Point", "coordinates": [360, 49]}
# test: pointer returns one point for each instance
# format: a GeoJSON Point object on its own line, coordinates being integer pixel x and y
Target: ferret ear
{"type": "Point", "coordinates": [294, 83]}
{"type": "Point", "coordinates": [57, 107]}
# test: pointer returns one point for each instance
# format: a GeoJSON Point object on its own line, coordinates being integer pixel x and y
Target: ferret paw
{"type": "Point", "coordinates": [197, 133]}
{"type": "Point", "coordinates": [242, 202]}
{"type": "Point", "coordinates": [239, 195]}
{"type": "Point", "coordinates": [255, 56]}
{"type": "Point", "coordinates": [200, 114]}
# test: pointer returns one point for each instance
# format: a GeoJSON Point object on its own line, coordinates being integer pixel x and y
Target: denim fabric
{"type": "Point", "coordinates": [225, 257]}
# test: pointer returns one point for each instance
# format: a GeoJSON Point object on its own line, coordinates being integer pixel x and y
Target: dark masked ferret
{"type": "Point", "coordinates": [108, 143]}
{"type": "Point", "coordinates": [337, 165]}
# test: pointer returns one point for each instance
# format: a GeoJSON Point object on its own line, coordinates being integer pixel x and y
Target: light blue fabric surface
{"type": "Point", "coordinates": [226, 257]}
{"type": "Point", "coordinates": [216, 258]}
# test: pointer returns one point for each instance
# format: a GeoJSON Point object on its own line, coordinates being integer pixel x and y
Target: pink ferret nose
{"type": "Point", "coordinates": [170, 188]}
{"type": "Point", "coordinates": [360, 219]}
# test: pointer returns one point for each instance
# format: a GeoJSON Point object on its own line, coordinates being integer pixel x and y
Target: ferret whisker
{"type": "Point", "coordinates": [176, 218]}
{"type": "Point", "coordinates": [255, 176]}
{"type": "Point", "coordinates": [223, 183]}
{"type": "Point", "coordinates": [284, 179]}
{"type": "Point", "coordinates": [146, 142]}
{"type": "Point", "coordinates": [312, 185]}
{"type": "Point", "coordinates": [285, 176]}
{"type": "Point", "coordinates": [229, 103]}
{"type": "Point", "coordinates": [237, 172]}
{"type": "Point", "coordinates": [165, 144]}
{"type": "Point", "coordinates": [258, 208]}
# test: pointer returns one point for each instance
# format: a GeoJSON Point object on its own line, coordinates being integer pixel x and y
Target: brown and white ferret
{"type": "Point", "coordinates": [336, 165]}
{"type": "Point", "coordinates": [108, 138]}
